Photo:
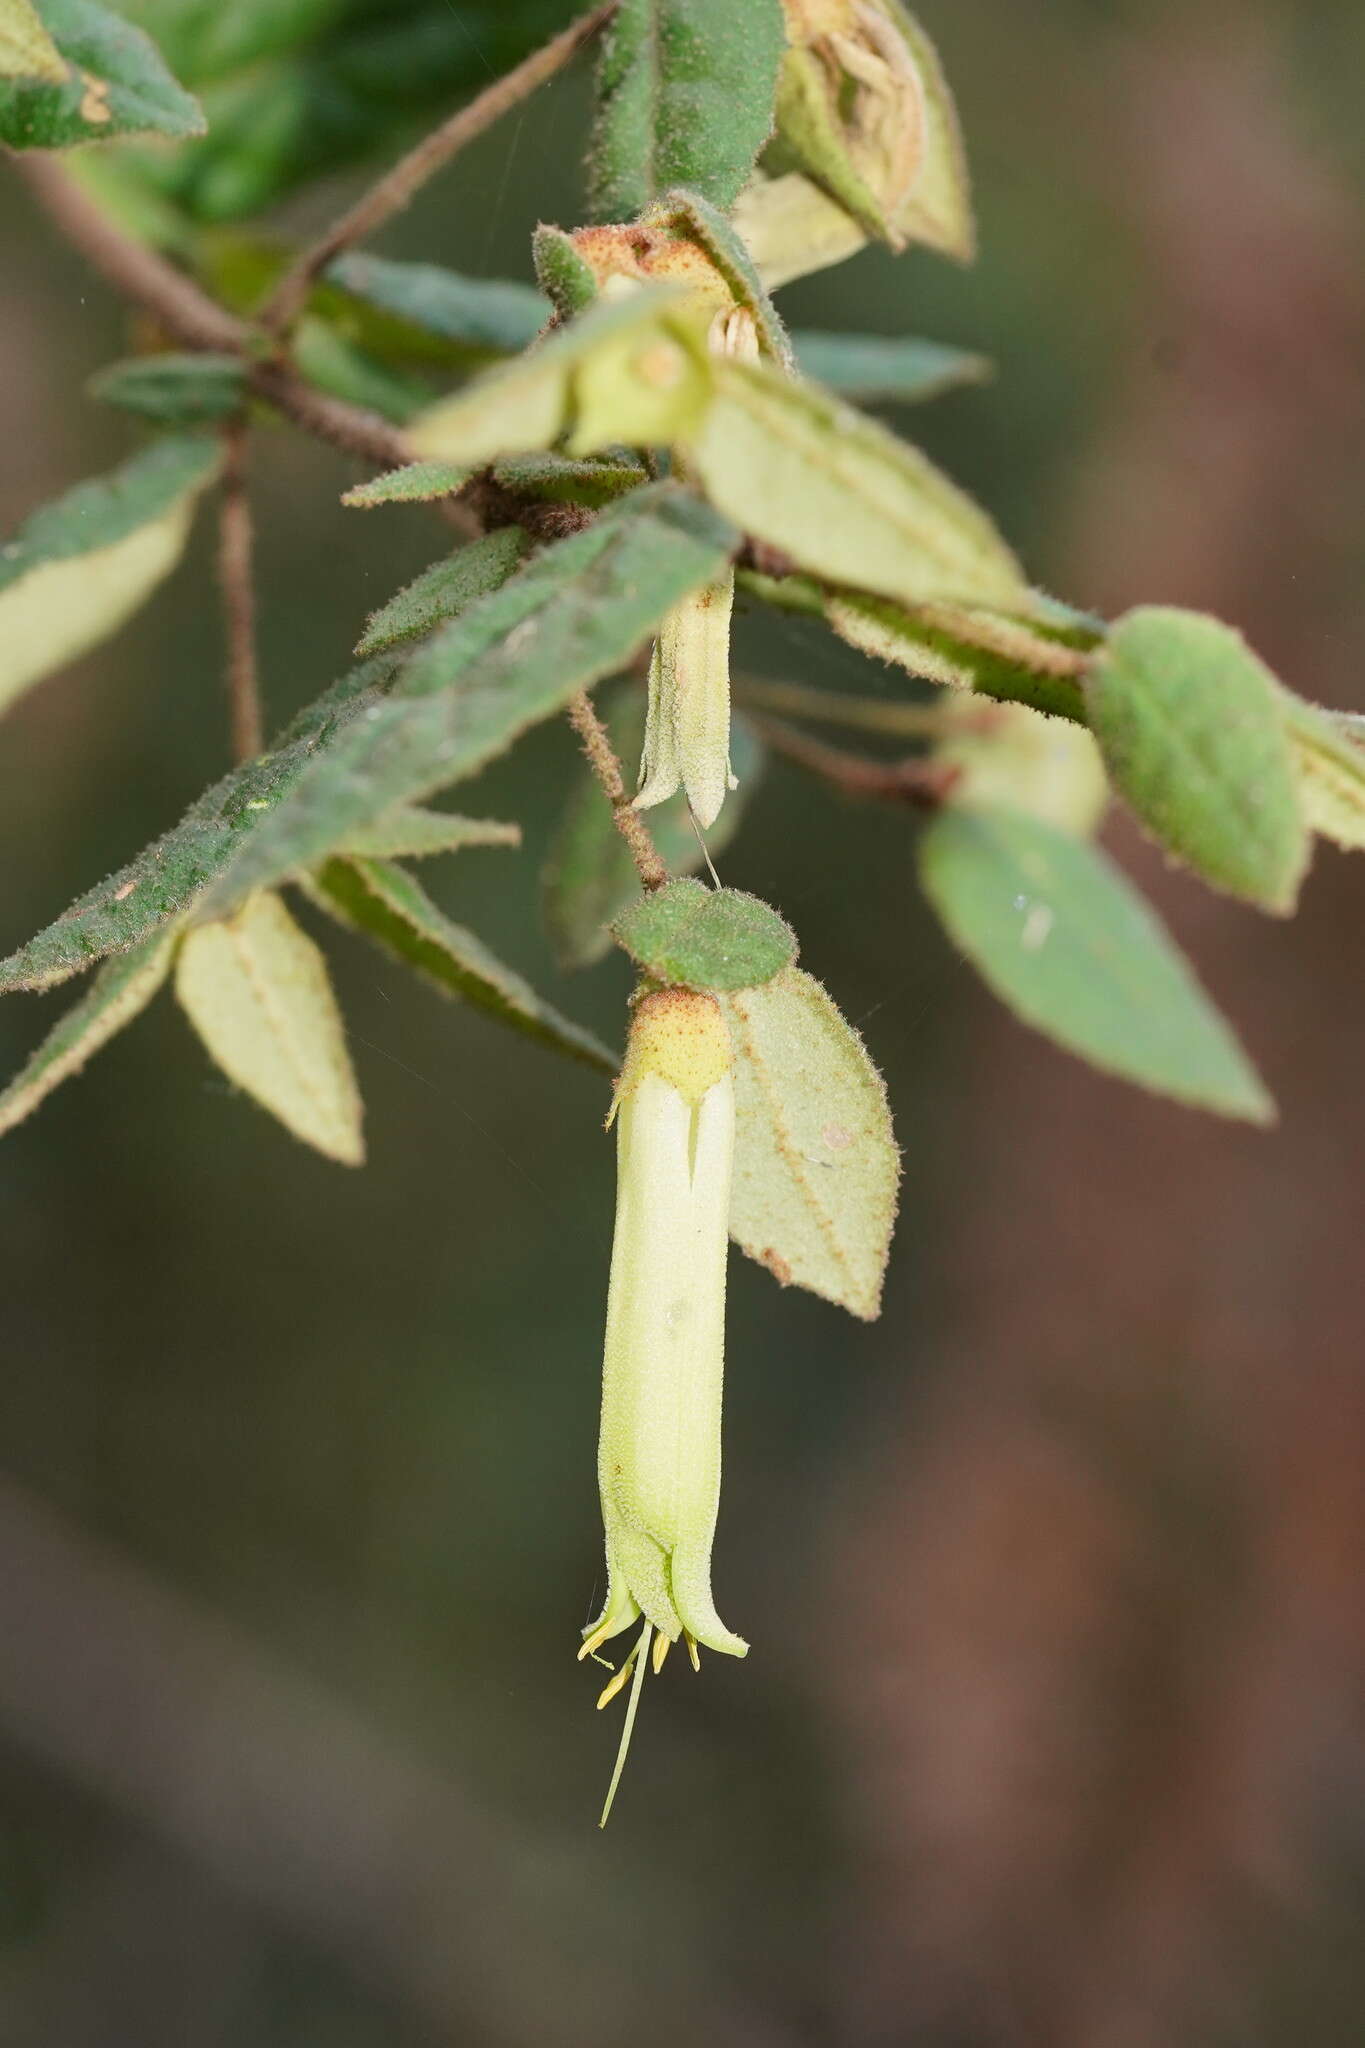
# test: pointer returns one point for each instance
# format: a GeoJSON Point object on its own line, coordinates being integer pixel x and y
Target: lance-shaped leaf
{"type": "Point", "coordinates": [1194, 735]}
{"type": "Point", "coordinates": [257, 991]}
{"type": "Point", "coordinates": [120, 991]}
{"type": "Point", "coordinates": [416, 483]}
{"type": "Point", "coordinates": [576, 613]}
{"type": "Point", "coordinates": [841, 497]}
{"type": "Point", "coordinates": [1330, 764]}
{"type": "Point", "coordinates": [485, 316]}
{"type": "Point", "coordinates": [174, 390]}
{"type": "Point", "coordinates": [1065, 940]}
{"type": "Point", "coordinates": [885, 367]}
{"type": "Point", "coordinates": [26, 48]}
{"type": "Point", "coordinates": [816, 1166]}
{"type": "Point", "coordinates": [385, 903]}
{"type": "Point", "coordinates": [410, 833]}
{"type": "Point", "coordinates": [685, 97]}
{"type": "Point", "coordinates": [113, 82]}
{"type": "Point", "coordinates": [590, 877]}
{"type": "Point", "coordinates": [689, 936]}
{"type": "Point", "coordinates": [444, 590]}
{"type": "Point", "coordinates": [81, 566]}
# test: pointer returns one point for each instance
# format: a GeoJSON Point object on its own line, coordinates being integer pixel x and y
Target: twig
{"type": "Point", "coordinates": [399, 186]}
{"type": "Point", "coordinates": [238, 591]}
{"type": "Point", "coordinates": [605, 766]}
{"type": "Point", "coordinates": [923, 783]}
{"type": "Point", "coordinates": [867, 714]}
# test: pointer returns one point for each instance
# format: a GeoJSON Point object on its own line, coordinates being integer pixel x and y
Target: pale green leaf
{"type": "Point", "coordinates": [1064, 939]}
{"type": "Point", "coordinates": [415, 483]}
{"type": "Point", "coordinates": [26, 48]}
{"type": "Point", "coordinates": [175, 390]}
{"type": "Point", "coordinates": [257, 991]}
{"type": "Point", "coordinates": [841, 497]}
{"type": "Point", "coordinates": [791, 227]}
{"type": "Point", "coordinates": [444, 590]}
{"type": "Point", "coordinates": [1330, 764]}
{"type": "Point", "coordinates": [1013, 658]}
{"type": "Point", "coordinates": [576, 613]}
{"type": "Point", "coordinates": [486, 315]}
{"type": "Point", "coordinates": [816, 1166]}
{"type": "Point", "coordinates": [386, 904]}
{"type": "Point", "coordinates": [887, 368]}
{"type": "Point", "coordinates": [685, 97]}
{"type": "Point", "coordinates": [590, 877]}
{"type": "Point", "coordinates": [409, 833]}
{"type": "Point", "coordinates": [938, 210]}
{"type": "Point", "coordinates": [689, 936]}
{"type": "Point", "coordinates": [1007, 754]}
{"type": "Point", "coordinates": [81, 566]}
{"type": "Point", "coordinates": [113, 83]}
{"type": "Point", "coordinates": [1193, 732]}
{"type": "Point", "coordinates": [120, 991]}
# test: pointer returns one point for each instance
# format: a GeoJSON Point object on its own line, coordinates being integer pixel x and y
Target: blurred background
{"type": "Point", "coordinates": [1053, 1730]}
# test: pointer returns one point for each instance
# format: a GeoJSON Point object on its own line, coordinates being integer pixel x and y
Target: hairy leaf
{"type": "Point", "coordinates": [889, 368]}
{"type": "Point", "coordinates": [576, 613]}
{"type": "Point", "coordinates": [1064, 939]}
{"type": "Point", "coordinates": [693, 937]}
{"type": "Point", "coordinates": [685, 97]}
{"type": "Point", "coordinates": [386, 904]}
{"type": "Point", "coordinates": [81, 566]}
{"type": "Point", "coordinates": [816, 1166]}
{"type": "Point", "coordinates": [409, 833]}
{"type": "Point", "coordinates": [590, 877]}
{"type": "Point", "coordinates": [174, 390]}
{"type": "Point", "coordinates": [113, 82]}
{"type": "Point", "coordinates": [492, 316]}
{"type": "Point", "coordinates": [257, 991]}
{"type": "Point", "coordinates": [1194, 735]}
{"type": "Point", "coordinates": [415, 483]}
{"type": "Point", "coordinates": [445, 589]}
{"type": "Point", "coordinates": [26, 48]}
{"type": "Point", "coordinates": [120, 991]}
{"type": "Point", "coordinates": [843, 499]}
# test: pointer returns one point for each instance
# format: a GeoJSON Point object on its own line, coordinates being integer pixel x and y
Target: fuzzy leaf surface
{"type": "Point", "coordinates": [1067, 943]}
{"type": "Point", "coordinates": [114, 82]}
{"type": "Point", "coordinates": [816, 1164]}
{"type": "Point", "coordinates": [120, 991]}
{"type": "Point", "coordinates": [690, 936]}
{"type": "Point", "coordinates": [445, 589]}
{"type": "Point", "coordinates": [411, 833]}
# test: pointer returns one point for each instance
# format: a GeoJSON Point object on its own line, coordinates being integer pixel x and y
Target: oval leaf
{"type": "Point", "coordinates": [1194, 735]}
{"type": "Point", "coordinates": [816, 1165]}
{"type": "Point", "coordinates": [695, 937]}
{"type": "Point", "coordinates": [1065, 940]}
{"type": "Point", "coordinates": [257, 991]}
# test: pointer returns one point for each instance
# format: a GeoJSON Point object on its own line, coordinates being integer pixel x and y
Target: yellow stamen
{"type": "Point", "coordinates": [614, 1685]}
{"type": "Point", "coordinates": [692, 1650]}
{"type": "Point", "coordinates": [662, 1646]}
{"type": "Point", "coordinates": [595, 1641]}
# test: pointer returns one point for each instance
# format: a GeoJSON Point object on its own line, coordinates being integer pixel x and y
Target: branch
{"type": "Point", "coordinates": [605, 766]}
{"type": "Point", "coordinates": [239, 597]}
{"type": "Point", "coordinates": [399, 186]}
{"type": "Point", "coordinates": [922, 783]}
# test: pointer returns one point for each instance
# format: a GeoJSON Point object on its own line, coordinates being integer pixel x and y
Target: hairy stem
{"type": "Point", "coordinates": [236, 584]}
{"type": "Point", "coordinates": [606, 767]}
{"type": "Point", "coordinates": [399, 186]}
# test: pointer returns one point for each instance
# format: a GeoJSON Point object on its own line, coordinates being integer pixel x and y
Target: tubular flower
{"type": "Point", "coordinates": [658, 1459]}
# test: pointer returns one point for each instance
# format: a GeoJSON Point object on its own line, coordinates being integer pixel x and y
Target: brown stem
{"type": "Point", "coordinates": [923, 783]}
{"type": "Point", "coordinates": [605, 766]}
{"type": "Point", "coordinates": [399, 186]}
{"type": "Point", "coordinates": [235, 582]}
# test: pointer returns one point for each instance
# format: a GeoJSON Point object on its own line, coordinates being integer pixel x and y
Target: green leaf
{"type": "Point", "coordinates": [791, 227]}
{"type": "Point", "coordinates": [415, 483]}
{"type": "Point", "coordinates": [174, 390]}
{"type": "Point", "coordinates": [120, 991]}
{"type": "Point", "coordinates": [487, 315]}
{"type": "Point", "coordinates": [590, 877]}
{"type": "Point", "coordinates": [409, 833]}
{"type": "Point", "coordinates": [886, 368]}
{"type": "Point", "coordinates": [591, 480]}
{"type": "Point", "coordinates": [1007, 754]}
{"type": "Point", "coordinates": [689, 936]}
{"type": "Point", "coordinates": [1194, 736]}
{"type": "Point", "coordinates": [117, 84]}
{"type": "Point", "coordinates": [26, 48]}
{"type": "Point", "coordinates": [81, 566]}
{"type": "Point", "coordinates": [445, 589]}
{"type": "Point", "coordinates": [566, 278]}
{"type": "Point", "coordinates": [389, 906]}
{"type": "Point", "coordinates": [685, 97]}
{"type": "Point", "coordinates": [349, 372]}
{"type": "Point", "coordinates": [816, 1166]}
{"type": "Point", "coordinates": [1330, 764]}
{"type": "Point", "coordinates": [1064, 939]}
{"type": "Point", "coordinates": [169, 876]}
{"type": "Point", "coordinates": [576, 613]}
{"type": "Point", "coordinates": [842, 498]}
{"type": "Point", "coordinates": [257, 991]}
